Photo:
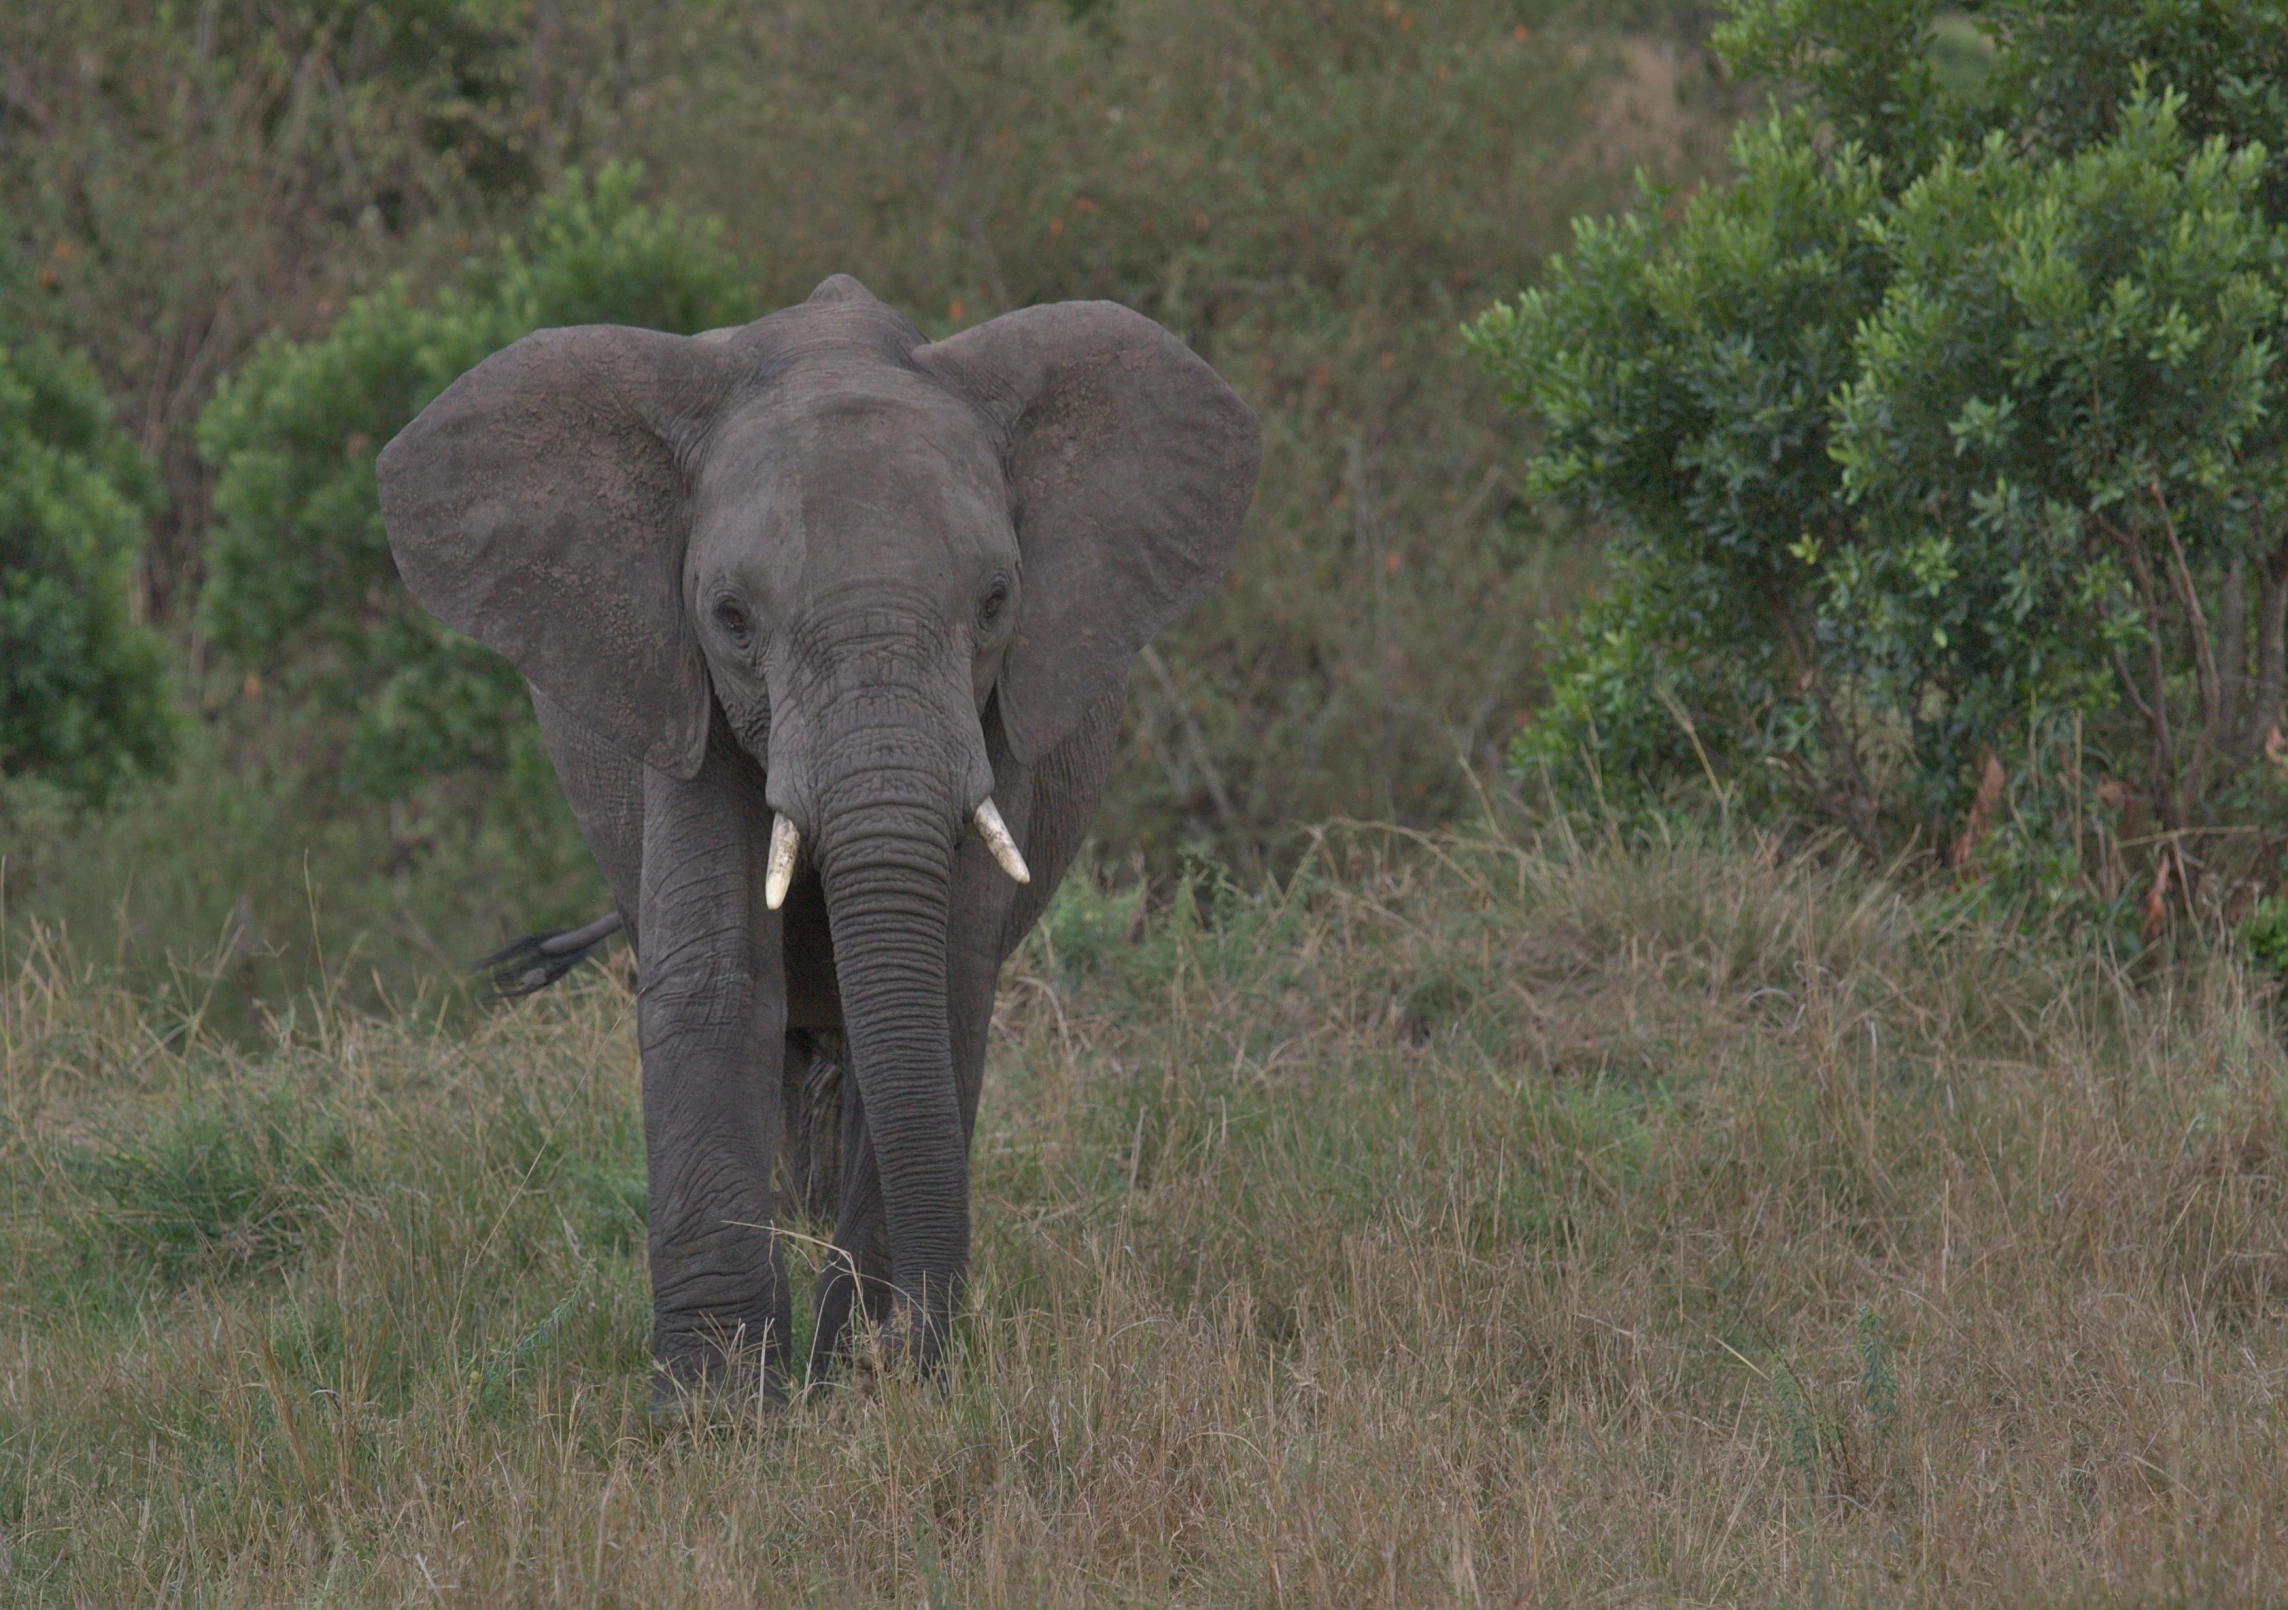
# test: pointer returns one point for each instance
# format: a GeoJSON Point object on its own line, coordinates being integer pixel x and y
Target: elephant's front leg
{"type": "Point", "coordinates": [711, 1020]}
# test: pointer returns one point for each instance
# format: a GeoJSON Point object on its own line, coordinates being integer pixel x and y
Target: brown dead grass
{"type": "Point", "coordinates": [1465, 1225]}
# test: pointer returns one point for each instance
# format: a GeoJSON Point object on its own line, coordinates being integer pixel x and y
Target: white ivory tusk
{"type": "Point", "coordinates": [997, 840]}
{"type": "Point", "coordinates": [785, 840]}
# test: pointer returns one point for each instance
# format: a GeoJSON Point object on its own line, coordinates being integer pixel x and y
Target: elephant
{"type": "Point", "coordinates": [827, 628]}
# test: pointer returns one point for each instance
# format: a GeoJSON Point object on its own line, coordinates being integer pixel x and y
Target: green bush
{"type": "Point", "coordinates": [301, 585]}
{"type": "Point", "coordinates": [1942, 452]}
{"type": "Point", "coordinates": [2264, 933]}
{"type": "Point", "coordinates": [82, 690]}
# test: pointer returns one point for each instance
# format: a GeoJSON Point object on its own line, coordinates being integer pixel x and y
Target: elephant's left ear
{"type": "Point", "coordinates": [540, 505]}
{"type": "Point", "coordinates": [1131, 465]}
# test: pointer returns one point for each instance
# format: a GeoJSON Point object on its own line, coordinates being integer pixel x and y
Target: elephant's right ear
{"type": "Point", "coordinates": [541, 505]}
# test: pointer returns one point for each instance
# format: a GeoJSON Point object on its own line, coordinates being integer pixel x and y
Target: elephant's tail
{"type": "Point", "coordinates": [539, 960]}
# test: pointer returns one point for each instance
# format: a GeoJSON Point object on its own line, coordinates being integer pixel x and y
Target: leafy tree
{"type": "Point", "coordinates": [82, 691]}
{"type": "Point", "coordinates": [302, 587]}
{"type": "Point", "coordinates": [1944, 447]}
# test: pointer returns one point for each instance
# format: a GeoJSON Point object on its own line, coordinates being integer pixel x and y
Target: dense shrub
{"type": "Point", "coordinates": [1943, 451]}
{"type": "Point", "coordinates": [302, 587]}
{"type": "Point", "coordinates": [82, 688]}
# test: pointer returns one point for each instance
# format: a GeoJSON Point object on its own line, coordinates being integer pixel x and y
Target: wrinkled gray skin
{"type": "Point", "coordinates": [819, 566]}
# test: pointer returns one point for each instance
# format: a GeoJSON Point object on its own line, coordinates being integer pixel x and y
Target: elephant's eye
{"type": "Point", "coordinates": [992, 602]}
{"type": "Point", "coordinates": [732, 617]}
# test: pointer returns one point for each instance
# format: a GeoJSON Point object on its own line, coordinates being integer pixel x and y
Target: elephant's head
{"type": "Point", "coordinates": [851, 545]}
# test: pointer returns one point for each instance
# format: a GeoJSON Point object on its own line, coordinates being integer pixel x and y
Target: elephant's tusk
{"type": "Point", "coordinates": [786, 838]}
{"type": "Point", "coordinates": [997, 839]}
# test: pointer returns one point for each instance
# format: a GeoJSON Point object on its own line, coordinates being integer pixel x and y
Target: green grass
{"type": "Point", "coordinates": [1461, 1224]}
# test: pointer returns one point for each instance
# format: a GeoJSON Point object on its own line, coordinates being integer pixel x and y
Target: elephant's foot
{"type": "Point", "coordinates": [853, 1306]}
{"type": "Point", "coordinates": [705, 1374]}
{"type": "Point", "coordinates": [866, 1328]}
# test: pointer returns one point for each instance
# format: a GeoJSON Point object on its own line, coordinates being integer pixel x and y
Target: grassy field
{"type": "Point", "coordinates": [1466, 1224]}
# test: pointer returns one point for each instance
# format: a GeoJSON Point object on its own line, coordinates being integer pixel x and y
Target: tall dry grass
{"type": "Point", "coordinates": [1461, 1224]}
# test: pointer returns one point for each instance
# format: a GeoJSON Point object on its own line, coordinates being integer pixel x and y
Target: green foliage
{"type": "Point", "coordinates": [2067, 73]}
{"type": "Point", "coordinates": [1933, 455]}
{"type": "Point", "coordinates": [287, 885]}
{"type": "Point", "coordinates": [82, 689]}
{"type": "Point", "coordinates": [301, 585]}
{"type": "Point", "coordinates": [2065, 410]}
{"type": "Point", "coordinates": [1086, 924]}
{"type": "Point", "coordinates": [1868, 67]}
{"type": "Point", "coordinates": [1900, 78]}
{"type": "Point", "coordinates": [1701, 437]}
{"type": "Point", "coordinates": [2265, 932]}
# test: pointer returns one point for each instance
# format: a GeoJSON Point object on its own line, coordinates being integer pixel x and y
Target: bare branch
{"type": "Point", "coordinates": [1202, 756]}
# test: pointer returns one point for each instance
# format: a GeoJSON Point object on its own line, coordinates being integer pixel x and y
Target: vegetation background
{"type": "Point", "coordinates": [1643, 1200]}
{"type": "Point", "coordinates": [1315, 196]}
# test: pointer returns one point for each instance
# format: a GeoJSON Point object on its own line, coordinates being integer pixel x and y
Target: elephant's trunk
{"type": "Point", "coordinates": [886, 839]}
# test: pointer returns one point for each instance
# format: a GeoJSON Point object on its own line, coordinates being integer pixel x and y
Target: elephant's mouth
{"type": "Point", "coordinates": [786, 846]}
